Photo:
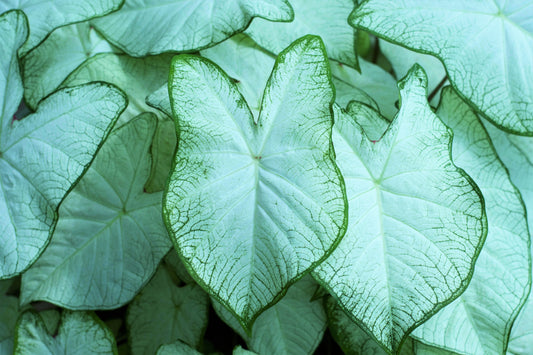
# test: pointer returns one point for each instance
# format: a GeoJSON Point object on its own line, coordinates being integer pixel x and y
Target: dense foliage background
{"type": "Point", "coordinates": [266, 176]}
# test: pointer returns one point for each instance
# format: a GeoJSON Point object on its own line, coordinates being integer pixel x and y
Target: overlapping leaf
{"type": "Point", "coordinates": [45, 68]}
{"type": "Point", "coordinates": [78, 333]}
{"type": "Point", "coordinates": [106, 222]}
{"type": "Point", "coordinates": [416, 222]}
{"type": "Point", "coordinates": [253, 205]}
{"type": "Point", "coordinates": [145, 27]}
{"type": "Point", "coordinates": [137, 77]}
{"type": "Point", "coordinates": [44, 154]}
{"type": "Point", "coordinates": [164, 312]}
{"type": "Point", "coordinates": [479, 321]}
{"type": "Point", "coordinates": [295, 325]}
{"type": "Point", "coordinates": [517, 154]}
{"type": "Point", "coordinates": [486, 47]}
{"type": "Point", "coordinates": [326, 19]}
{"type": "Point", "coordinates": [46, 15]}
{"type": "Point", "coordinates": [248, 64]}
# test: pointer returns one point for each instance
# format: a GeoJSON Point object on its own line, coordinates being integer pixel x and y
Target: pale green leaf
{"type": "Point", "coordinates": [51, 319]}
{"type": "Point", "coordinates": [402, 59]}
{"type": "Point", "coordinates": [240, 351]}
{"type": "Point", "coordinates": [479, 321]}
{"type": "Point", "coordinates": [486, 47]}
{"type": "Point", "coordinates": [45, 68]}
{"type": "Point", "coordinates": [44, 154]}
{"type": "Point", "coordinates": [137, 77]}
{"type": "Point", "coordinates": [163, 147]}
{"type": "Point", "coordinates": [177, 348]}
{"type": "Point", "coordinates": [175, 265]}
{"type": "Point", "coordinates": [373, 86]}
{"type": "Point", "coordinates": [349, 336]}
{"type": "Point", "coordinates": [517, 154]}
{"type": "Point", "coordinates": [326, 19]}
{"type": "Point", "coordinates": [425, 349]}
{"type": "Point", "coordinates": [521, 340]}
{"type": "Point", "coordinates": [9, 312]}
{"type": "Point", "coordinates": [144, 27]}
{"type": "Point", "coordinates": [46, 15]}
{"type": "Point", "coordinates": [106, 222]}
{"type": "Point", "coordinates": [164, 312]}
{"type": "Point", "coordinates": [416, 222]}
{"type": "Point", "coordinates": [247, 64]}
{"type": "Point", "coordinates": [294, 325]}
{"type": "Point", "coordinates": [78, 333]}
{"type": "Point", "coordinates": [285, 210]}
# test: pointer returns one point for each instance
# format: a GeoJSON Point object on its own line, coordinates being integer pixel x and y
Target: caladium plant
{"type": "Point", "coordinates": [239, 176]}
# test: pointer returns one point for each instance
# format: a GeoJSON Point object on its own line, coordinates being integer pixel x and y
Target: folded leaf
{"type": "Point", "coordinates": [253, 206]}
{"type": "Point", "coordinates": [43, 155]}
{"type": "Point", "coordinates": [416, 221]}
{"type": "Point", "coordinates": [486, 47]}
{"type": "Point", "coordinates": [79, 333]}
{"type": "Point", "coordinates": [145, 27]}
{"type": "Point", "coordinates": [46, 15]}
{"type": "Point", "coordinates": [106, 222]}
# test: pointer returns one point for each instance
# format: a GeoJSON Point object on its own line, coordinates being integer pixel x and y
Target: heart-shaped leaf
{"type": "Point", "coordinates": [78, 333]}
{"type": "Point", "coordinates": [253, 206]}
{"type": "Point", "coordinates": [416, 221]}
{"type": "Point", "coordinates": [164, 312]}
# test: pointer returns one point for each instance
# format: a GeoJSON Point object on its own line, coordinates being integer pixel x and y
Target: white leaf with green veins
{"type": "Point", "coordinates": [245, 62]}
{"type": "Point", "coordinates": [326, 19]}
{"type": "Point", "coordinates": [43, 155]}
{"type": "Point", "coordinates": [144, 27]}
{"type": "Point", "coordinates": [164, 312]}
{"type": "Point", "coordinates": [517, 154]}
{"type": "Point", "coordinates": [137, 77]}
{"type": "Point", "coordinates": [252, 206]}
{"type": "Point", "coordinates": [416, 221]}
{"type": "Point", "coordinates": [249, 65]}
{"type": "Point", "coordinates": [486, 47]}
{"type": "Point", "coordinates": [106, 222]}
{"type": "Point", "coordinates": [46, 15]}
{"type": "Point", "coordinates": [295, 325]}
{"type": "Point", "coordinates": [479, 321]}
{"type": "Point", "coordinates": [79, 333]}
{"type": "Point", "coordinates": [45, 68]}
